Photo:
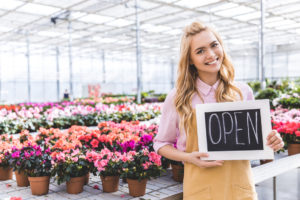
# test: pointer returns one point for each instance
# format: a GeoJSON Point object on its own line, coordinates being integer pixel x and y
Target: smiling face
{"type": "Point", "coordinates": [206, 54]}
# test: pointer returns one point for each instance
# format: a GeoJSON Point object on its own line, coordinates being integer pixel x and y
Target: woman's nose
{"type": "Point", "coordinates": [210, 53]}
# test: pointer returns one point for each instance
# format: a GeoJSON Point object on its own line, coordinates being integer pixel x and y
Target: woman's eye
{"type": "Point", "coordinates": [200, 51]}
{"type": "Point", "coordinates": [215, 44]}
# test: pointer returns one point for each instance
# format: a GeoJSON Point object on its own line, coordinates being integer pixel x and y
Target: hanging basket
{"type": "Point", "coordinates": [75, 185]}
{"type": "Point", "coordinates": [22, 179]}
{"type": "Point", "coordinates": [137, 188]}
{"type": "Point", "coordinates": [293, 149]}
{"type": "Point", "coordinates": [110, 183]}
{"type": "Point", "coordinates": [39, 185]}
{"type": "Point", "coordinates": [5, 173]}
{"type": "Point", "coordinates": [177, 171]}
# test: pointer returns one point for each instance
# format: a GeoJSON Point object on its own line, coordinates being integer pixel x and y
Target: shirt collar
{"type": "Point", "coordinates": [204, 88]}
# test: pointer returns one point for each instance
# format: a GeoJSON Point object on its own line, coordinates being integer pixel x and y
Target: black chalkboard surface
{"type": "Point", "coordinates": [235, 130]}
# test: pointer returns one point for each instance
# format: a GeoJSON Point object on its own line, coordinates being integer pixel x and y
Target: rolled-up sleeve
{"type": "Point", "coordinates": [250, 95]}
{"type": "Point", "coordinates": [168, 126]}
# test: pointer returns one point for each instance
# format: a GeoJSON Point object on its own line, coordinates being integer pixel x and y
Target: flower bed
{"type": "Point", "coordinates": [32, 119]}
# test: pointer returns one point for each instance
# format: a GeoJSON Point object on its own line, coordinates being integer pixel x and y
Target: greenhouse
{"type": "Point", "coordinates": [150, 99]}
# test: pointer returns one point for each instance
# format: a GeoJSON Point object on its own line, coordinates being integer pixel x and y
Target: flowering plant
{"type": "Point", "coordinates": [5, 150]}
{"type": "Point", "coordinates": [68, 164]}
{"type": "Point", "coordinates": [106, 163]}
{"type": "Point", "coordinates": [290, 131]}
{"type": "Point", "coordinates": [32, 159]}
{"type": "Point", "coordinates": [141, 165]}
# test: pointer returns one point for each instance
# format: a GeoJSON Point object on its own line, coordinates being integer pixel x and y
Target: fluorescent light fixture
{"type": "Point", "coordinates": [249, 16]}
{"type": "Point", "coordinates": [48, 33]}
{"type": "Point", "coordinates": [174, 32]}
{"type": "Point", "coordinates": [104, 40]}
{"type": "Point", "coordinates": [77, 14]}
{"type": "Point", "coordinates": [288, 26]}
{"type": "Point", "coordinates": [4, 29]}
{"type": "Point", "coordinates": [224, 6]}
{"type": "Point", "coordinates": [38, 9]}
{"type": "Point", "coordinates": [10, 4]}
{"type": "Point", "coordinates": [155, 28]}
{"type": "Point", "coordinates": [97, 19]}
{"type": "Point", "coordinates": [235, 11]}
{"type": "Point", "coordinates": [280, 23]}
{"type": "Point", "coordinates": [119, 23]}
{"type": "Point", "coordinates": [273, 19]}
{"type": "Point", "coordinates": [123, 42]}
{"type": "Point", "coordinates": [195, 4]}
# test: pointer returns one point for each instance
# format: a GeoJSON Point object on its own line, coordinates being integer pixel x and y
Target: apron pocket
{"type": "Point", "coordinates": [202, 193]}
{"type": "Point", "coordinates": [243, 193]}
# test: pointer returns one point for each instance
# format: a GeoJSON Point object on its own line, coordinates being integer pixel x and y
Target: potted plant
{"type": "Point", "coordinates": [38, 169]}
{"type": "Point", "coordinates": [5, 150]}
{"type": "Point", "coordinates": [290, 133]}
{"type": "Point", "coordinates": [108, 165]}
{"type": "Point", "coordinates": [138, 167]}
{"type": "Point", "coordinates": [17, 160]}
{"type": "Point", "coordinates": [177, 170]}
{"type": "Point", "coordinates": [70, 166]}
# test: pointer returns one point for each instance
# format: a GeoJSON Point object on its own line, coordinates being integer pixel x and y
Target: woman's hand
{"type": "Point", "coordinates": [274, 140]}
{"type": "Point", "coordinates": [195, 158]}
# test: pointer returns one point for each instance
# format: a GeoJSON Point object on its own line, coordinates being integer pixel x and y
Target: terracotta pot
{"type": "Point", "coordinates": [110, 183]}
{"type": "Point", "coordinates": [87, 178]}
{"type": "Point", "coordinates": [75, 185]}
{"type": "Point", "coordinates": [5, 173]}
{"type": "Point", "coordinates": [137, 188]}
{"type": "Point", "coordinates": [177, 173]}
{"type": "Point", "coordinates": [293, 149]}
{"type": "Point", "coordinates": [265, 161]}
{"type": "Point", "coordinates": [39, 185]}
{"type": "Point", "coordinates": [22, 179]}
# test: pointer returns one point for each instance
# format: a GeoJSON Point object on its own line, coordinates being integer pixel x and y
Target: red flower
{"type": "Point", "coordinates": [96, 187]}
{"type": "Point", "coordinates": [15, 198]}
{"type": "Point", "coordinates": [95, 143]}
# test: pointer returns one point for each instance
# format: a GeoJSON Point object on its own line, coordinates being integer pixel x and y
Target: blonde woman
{"type": "Point", "coordinates": [205, 75]}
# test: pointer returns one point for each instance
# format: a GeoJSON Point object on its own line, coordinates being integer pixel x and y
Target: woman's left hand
{"type": "Point", "coordinates": [274, 140]}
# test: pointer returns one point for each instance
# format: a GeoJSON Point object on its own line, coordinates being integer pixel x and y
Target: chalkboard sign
{"type": "Point", "coordinates": [234, 130]}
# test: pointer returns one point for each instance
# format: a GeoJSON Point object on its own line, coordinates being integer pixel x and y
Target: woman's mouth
{"type": "Point", "coordinates": [212, 62]}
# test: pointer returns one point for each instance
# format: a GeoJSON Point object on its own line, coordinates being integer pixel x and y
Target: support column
{"type": "Point", "coordinates": [103, 67]}
{"type": "Point", "coordinates": [57, 74]}
{"type": "Point", "coordinates": [172, 74]}
{"type": "Point", "coordinates": [262, 47]}
{"type": "Point", "coordinates": [70, 60]}
{"type": "Point", "coordinates": [28, 69]}
{"type": "Point", "coordinates": [138, 55]}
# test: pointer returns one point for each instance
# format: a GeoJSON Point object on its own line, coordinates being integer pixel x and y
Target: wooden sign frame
{"type": "Point", "coordinates": [264, 107]}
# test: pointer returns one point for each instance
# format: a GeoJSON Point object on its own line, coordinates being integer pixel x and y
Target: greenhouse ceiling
{"type": "Point", "coordinates": [109, 25]}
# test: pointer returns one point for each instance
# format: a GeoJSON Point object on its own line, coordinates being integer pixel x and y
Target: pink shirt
{"type": "Point", "coordinates": [168, 130]}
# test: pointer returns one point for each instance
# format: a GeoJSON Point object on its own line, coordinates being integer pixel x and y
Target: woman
{"type": "Point", "coordinates": [205, 75]}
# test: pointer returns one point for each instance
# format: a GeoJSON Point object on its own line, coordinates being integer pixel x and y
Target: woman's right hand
{"type": "Point", "coordinates": [195, 158]}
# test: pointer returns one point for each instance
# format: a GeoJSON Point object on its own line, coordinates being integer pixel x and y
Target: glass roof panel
{"type": "Point", "coordinates": [97, 19]}
{"type": "Point", "coordinates": [194, 4]}
{"type": "Point", "coordinates": [38, 9]}
{"type": "Point", "coordinates": [10, 4]}
{"type": "Point", "coordinates": [120, 22]}
{"type": "Point", "coordinates": [235, 11]}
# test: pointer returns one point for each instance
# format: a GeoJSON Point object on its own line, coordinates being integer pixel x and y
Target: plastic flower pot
{"type": "Point", "coordinates": [22, 179]}
{"type": "Point", "coordinates": [5, 173]}
{"type": "Point", "coordinates": [110, 183]}
{"type": "Point", "coordinates": [39, 185]}
{"type": "Point", "coordinates": [293, 149]}
{"type": "Point", "coordinates": [87, 178]}
{"type": "Point", "coordinates": [137, 188]}
{"type": "Point", "coordinates": [75, 185]}
{"type": "Point", "coordinates": [178, 172]}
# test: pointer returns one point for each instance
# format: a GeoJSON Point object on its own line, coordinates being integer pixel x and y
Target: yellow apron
{"type": "Point", "coordinates": [232, 181]}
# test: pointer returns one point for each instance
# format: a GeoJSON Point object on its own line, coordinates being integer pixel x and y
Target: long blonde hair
{"type": "Point", "coordinates": [188, 74]}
